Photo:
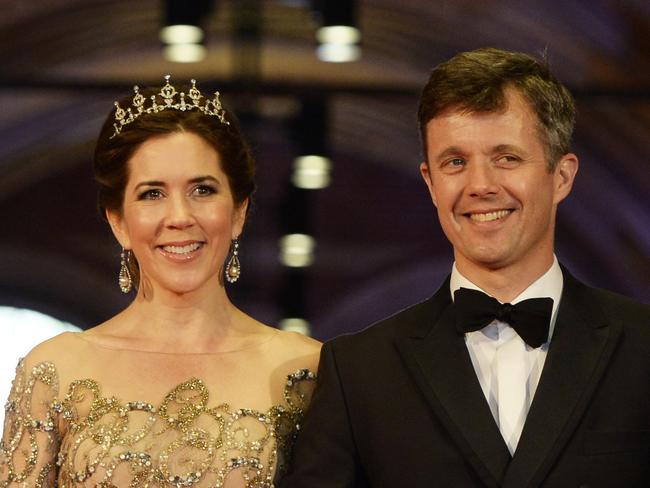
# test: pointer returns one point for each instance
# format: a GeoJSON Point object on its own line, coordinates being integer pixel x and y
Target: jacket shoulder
{"type": "Point", "coordinates": [620, 308]}
{"type": "Point", "coordinates": [607, 307]}
{"type": "Point", "coordinates": [411, 321]}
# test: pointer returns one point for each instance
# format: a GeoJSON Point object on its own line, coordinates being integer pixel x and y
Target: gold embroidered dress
{"type": "Point", "coordinates": [93, 434]}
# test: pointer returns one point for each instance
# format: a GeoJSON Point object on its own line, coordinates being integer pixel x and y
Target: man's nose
{"type": "Point", "coordinates": [482, 179]}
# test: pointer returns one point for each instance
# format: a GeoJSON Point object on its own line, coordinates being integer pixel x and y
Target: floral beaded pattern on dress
{"type": "Point", "coordinates": [90, 440]}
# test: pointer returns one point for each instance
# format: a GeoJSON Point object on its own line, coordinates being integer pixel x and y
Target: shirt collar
{"type": "Point", "coordinates": [550, 284]}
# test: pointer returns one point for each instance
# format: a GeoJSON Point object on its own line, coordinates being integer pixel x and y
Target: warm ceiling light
{"type": "Point", "coordinates": [185, 53]}
{"type": "Point", "coordinates": [311, 172]}
{"type": "Point", "coordinates": [181, 34]}
{"type": "Point", "coordinates": [338, 34]}
{"type": "Point", "coordinates": [297, 250]}
{"type": "Point", "coordinates": [338, 38]}
{"type": "Point", "coordinates": [338, 53]}
{"type": "Point", "coordinates": [295, 324]}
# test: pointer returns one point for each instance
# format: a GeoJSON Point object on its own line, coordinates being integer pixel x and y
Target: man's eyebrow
{"type": "Point", "coordinates": [508, 148]}
{"type": "Point", "coordinates": [450, 151]}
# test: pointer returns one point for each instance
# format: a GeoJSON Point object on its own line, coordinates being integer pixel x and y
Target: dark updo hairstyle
{"type": "Point", "coordinates": [112, 154]}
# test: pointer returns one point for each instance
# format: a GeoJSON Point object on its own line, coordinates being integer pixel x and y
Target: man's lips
{"type": "Point", "coordinates": [488, 216]}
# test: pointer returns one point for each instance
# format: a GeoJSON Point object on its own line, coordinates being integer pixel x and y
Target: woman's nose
{"type": "Point", "coordinates": [179, 213]}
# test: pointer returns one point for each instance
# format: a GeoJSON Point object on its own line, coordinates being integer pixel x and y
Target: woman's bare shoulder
{"type": "Point", "coordinates": [63, 351]}
{"type": "Point", "coordinates": [296, 351]}
{"type": "Point", "coordinates": [52, 349]}
{"type": "Point", "coordinates": [289, 345]}
{"type": "Point", "coordinates": [299, 342]}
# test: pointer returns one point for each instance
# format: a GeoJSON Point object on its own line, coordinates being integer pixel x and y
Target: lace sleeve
{"type": "Point", "coordinates": [297, 394]}
{"type": "Point", "coordinates": [30, 442]}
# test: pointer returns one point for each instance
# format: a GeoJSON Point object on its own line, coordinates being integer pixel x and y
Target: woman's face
{"type": "Point", "coordinates": [178, 214]}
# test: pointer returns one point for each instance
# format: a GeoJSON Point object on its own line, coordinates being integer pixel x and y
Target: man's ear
{"type": "Point", "coordinates": [426, 176]}
{"type": "Point", "coordinates": [564, 176]}
{"type": "Point", "coordinates": [116, 221]}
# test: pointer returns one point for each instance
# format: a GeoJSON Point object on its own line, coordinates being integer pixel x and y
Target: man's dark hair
{"type": "Point", "coordinates": [476, 81]}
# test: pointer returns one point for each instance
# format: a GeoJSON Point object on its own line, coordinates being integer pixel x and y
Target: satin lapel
{"type": "Point", "coordinates": [579, 352]}
{"type": "Point", "coordinates": [441, 366]}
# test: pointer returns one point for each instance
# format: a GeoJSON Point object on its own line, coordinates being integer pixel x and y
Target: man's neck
{"type": "Point", "coordinates": [504, 283]}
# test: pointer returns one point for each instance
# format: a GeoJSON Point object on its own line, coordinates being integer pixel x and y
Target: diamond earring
{"type": "Point", "coordinates": [233, 268]}
{"type": "Point", "coordinates": [124, 279]}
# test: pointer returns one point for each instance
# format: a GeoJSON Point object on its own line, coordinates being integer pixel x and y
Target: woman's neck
{"type": "Point", "coordinates": [203, 320]}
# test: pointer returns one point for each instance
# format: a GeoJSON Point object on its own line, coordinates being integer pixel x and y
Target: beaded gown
{"type": "Point", "coordinates": [112, 422]}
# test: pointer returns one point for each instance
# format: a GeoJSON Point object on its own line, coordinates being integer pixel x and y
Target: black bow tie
{"type": "Point", "coordinates": [530, 318]}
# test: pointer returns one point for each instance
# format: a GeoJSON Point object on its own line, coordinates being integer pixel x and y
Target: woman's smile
{"type": "Point", "coordinates": [182, 251]}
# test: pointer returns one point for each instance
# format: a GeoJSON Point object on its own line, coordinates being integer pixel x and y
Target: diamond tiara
{"type": "Point", "coordinates": [170, 101]}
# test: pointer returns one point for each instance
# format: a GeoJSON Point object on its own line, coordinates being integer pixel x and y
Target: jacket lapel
{"type": "Point", "coordinates": [438, 360]}
{"type": "Point", "coordinates": [578, 355]}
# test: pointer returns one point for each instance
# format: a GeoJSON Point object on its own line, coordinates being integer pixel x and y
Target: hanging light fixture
{"type": "Point", "coordinates": [182, 35]}
{"type": "Point", "coordinates": [339, 37]}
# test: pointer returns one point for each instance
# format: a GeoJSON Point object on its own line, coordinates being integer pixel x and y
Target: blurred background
{"type": "Point", "coordinates": [343, 231]}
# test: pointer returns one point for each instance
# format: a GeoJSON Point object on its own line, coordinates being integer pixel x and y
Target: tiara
{"type": "Point", "coordinates": [170, 101]}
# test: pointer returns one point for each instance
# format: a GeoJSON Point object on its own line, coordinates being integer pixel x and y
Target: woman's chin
{"type": "Point", "coordinates": [183, 286]}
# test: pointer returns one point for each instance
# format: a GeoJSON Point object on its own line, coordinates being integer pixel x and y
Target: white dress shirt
{"type": "Point", "coordinates": [483, 346]}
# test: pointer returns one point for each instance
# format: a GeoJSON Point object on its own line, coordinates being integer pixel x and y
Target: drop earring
{"type": "Point", "coordinates": [124, 279]}
{"type": "Point", "coordinates": [233, 267]}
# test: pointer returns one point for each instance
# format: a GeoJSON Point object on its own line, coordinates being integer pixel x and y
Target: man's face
{"type": "Point", "coordinates": [489, 179]}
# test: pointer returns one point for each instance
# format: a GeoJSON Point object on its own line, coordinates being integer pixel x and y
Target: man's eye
{"type": "Point", "coordinates": [508, 159]}
{"type": "Point", "coordinates": [152, 194]}
{"type": "Point", "coordinates": [455, 163]}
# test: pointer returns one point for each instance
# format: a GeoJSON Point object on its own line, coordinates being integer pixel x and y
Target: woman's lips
{"type": "Point", "coordinates": [181, 251]}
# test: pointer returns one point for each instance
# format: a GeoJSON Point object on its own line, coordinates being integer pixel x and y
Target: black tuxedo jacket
{"type": "Point", "coordinates": [399, 405]}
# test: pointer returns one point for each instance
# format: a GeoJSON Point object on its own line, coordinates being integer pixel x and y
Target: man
{"type": "Point", "coordinates": [550, 389]}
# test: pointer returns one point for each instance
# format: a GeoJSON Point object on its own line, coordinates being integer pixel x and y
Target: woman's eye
{"type": "Point", "coordinates": [152, 194]}
{"type": "Point", "coordinates": [203, 190]}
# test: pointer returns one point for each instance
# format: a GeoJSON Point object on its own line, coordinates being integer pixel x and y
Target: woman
{"type": "Point", "coordinates": [181, 388]}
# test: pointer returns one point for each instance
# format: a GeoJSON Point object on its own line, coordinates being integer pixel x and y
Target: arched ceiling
{"type": "Point", "coordinates": [65, 61]}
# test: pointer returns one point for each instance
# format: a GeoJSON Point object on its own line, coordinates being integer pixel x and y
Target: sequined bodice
{"type": "Point", "coordinates": [87, 439]}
